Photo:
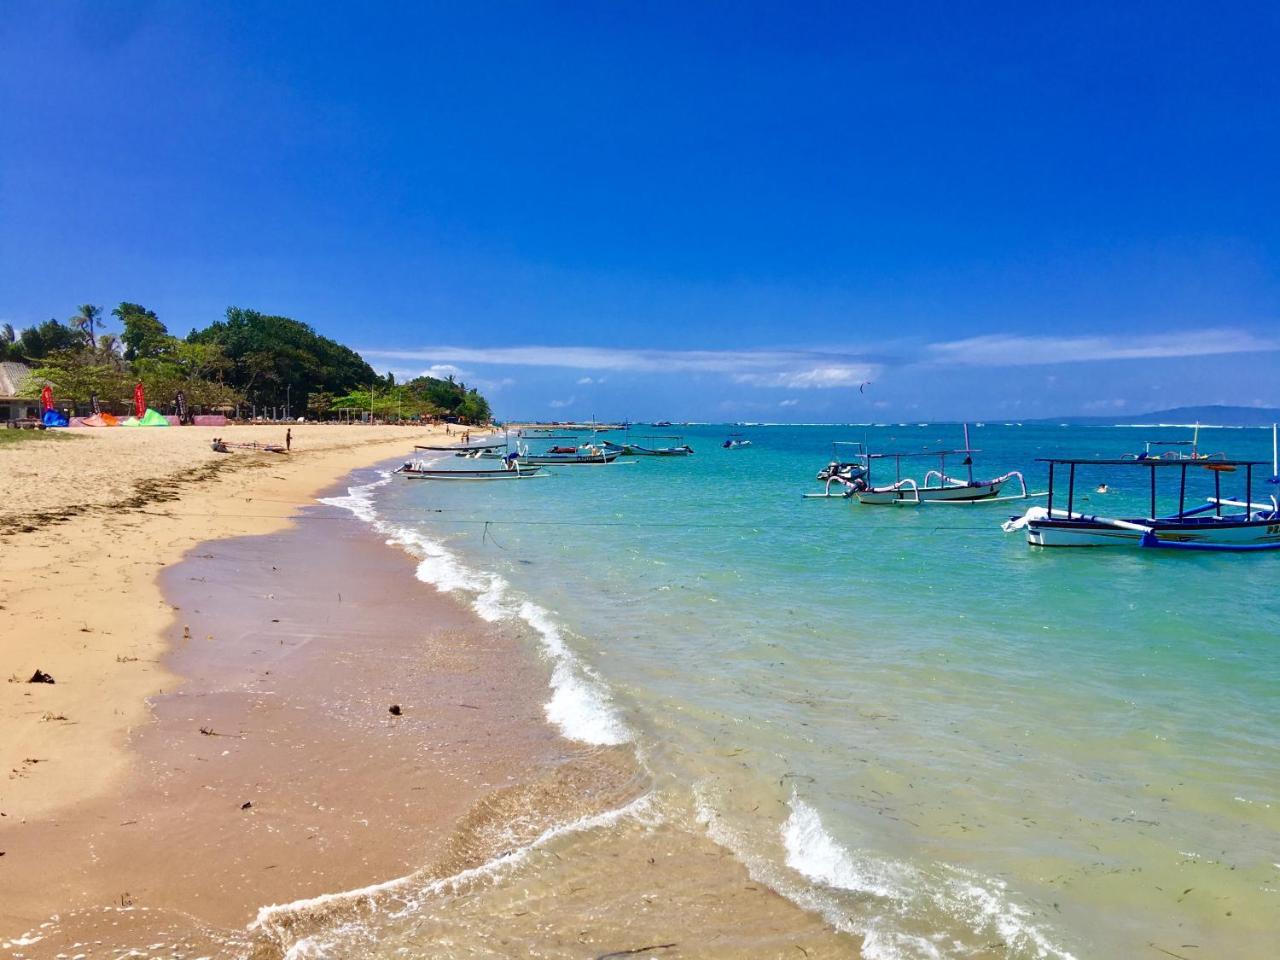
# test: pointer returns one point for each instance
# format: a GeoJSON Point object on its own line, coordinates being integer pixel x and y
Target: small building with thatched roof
{"type": "Point", "coordinates": [12, 406]}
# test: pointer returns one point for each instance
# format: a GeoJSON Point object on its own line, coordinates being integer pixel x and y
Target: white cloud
{"type": "Point", "coordinates": [558, 404]}
{"type": "Point", "coordinates": [587, 381]}
{"type": "Point", "coordinates": [813, 378]}
{"type": "Point", "coordinates": [442, 371]}
{"type": "Point", "coordinates": [788, 403]}
{"type": "Point", "coordinates": [794, 369]}
{"type": "Point", "coordinates": [1010, 350]}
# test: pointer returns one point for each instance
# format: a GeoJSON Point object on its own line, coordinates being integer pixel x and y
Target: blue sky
{"type": "Point", "coordinates": [687, 211]}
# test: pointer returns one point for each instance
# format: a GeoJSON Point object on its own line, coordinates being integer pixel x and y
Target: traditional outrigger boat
{"type": "Point", "coordinates": [844, 474]}
{"type": "Point", "coordinates": [678, 449]}
{"type": "Point", "coordinates": [463, 447]}
{"type": "Point", "coordinates": [937, 486]}
{"type": "Point", "coordinates": [592, 455]}
{"type": "Point", "coordinates": [846, 468]}
{"type": "Point", "coordinates": [512, 469]}
{"type": "Point", "coordinates": [1174, 450]}
{"type": "Point", "coordinates": [1252, 526]}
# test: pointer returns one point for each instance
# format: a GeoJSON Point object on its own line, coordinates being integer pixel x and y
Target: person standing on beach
{"type": "Point", "coordinates": [288, 439]}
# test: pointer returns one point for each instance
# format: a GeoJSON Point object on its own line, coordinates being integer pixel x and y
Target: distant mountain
{"type": "Point", "coordinates": [1216, 416]}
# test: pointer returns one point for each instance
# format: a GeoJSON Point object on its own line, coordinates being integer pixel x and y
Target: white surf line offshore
{"type": "Point", "coordinates": [899, 889]}
{"type": "Point", "coordinates": [581, 707]}
{"type": "Point", "coordinates": [268, 917]}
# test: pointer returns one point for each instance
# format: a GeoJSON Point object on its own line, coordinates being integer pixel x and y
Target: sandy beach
{"type": "Point", "coordinates": [219, 736]}
{"type": "Point", "coordinates": [88, 522]}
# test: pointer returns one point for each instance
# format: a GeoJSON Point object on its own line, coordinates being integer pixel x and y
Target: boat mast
{"type": "Point", "coordinates": [968, 454]}
{"type": "Point", "coordinates": [1275, 460]}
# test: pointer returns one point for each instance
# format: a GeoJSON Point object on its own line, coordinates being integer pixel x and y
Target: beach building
{"type": "Point", "coordinates": [13, 407]}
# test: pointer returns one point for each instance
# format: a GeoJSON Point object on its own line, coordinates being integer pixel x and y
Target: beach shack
{"type": "Point", "coordinates": [12, 406]}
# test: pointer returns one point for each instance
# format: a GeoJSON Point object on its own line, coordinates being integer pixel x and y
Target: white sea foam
{"type": "Point", "coordinates": [813, 852]}
{"type": "Point", "coordinates": [580, 705]}
{"type": "Point", "coordinates": [270, 919]}
{"type": "Point", "coordinates": [981, 903]}
{"type": "Point", "coordinates": [916, 913]}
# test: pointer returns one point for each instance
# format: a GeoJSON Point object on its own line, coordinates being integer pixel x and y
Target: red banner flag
{"type": "Point", "coordinates": [46, 398]}
{"type": "Point", "coordinates": [139, 402]}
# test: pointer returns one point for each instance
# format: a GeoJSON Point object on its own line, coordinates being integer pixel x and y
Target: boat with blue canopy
{"type": "Point", "coordinates": [1219, 522]}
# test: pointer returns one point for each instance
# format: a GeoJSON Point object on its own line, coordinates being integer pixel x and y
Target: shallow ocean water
{"type": "Point", "coordinates": [941, 739]}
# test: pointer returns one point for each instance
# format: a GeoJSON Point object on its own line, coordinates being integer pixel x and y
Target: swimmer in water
{"type": "Point", "coordinates": [1102, 488]}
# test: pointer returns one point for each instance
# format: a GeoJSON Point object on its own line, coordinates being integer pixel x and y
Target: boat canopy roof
{"type": "Point", "coordinates": [1150, 462]}
{"type": "Point", "coordinates": [920, 453]}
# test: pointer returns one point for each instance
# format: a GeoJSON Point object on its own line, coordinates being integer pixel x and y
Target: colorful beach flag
{"type": "Point", "coordinates": [46, 398]}
{"type": "Point", "coordinates": [139, 401]}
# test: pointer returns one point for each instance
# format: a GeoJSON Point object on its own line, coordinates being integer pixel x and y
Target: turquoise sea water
{"type": "Point", "coordinates": [939, 737]}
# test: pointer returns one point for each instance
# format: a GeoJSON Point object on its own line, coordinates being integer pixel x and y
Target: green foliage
{"type": "Point", "coordinates": [11, 438]}
{"type": "Point", "coordinates": [274, 360]}
{"type": "Point", "coordinates": [64, 357]}
{"type": "Point", "coordinates": [144, 335]}
{"type": "Point", "coordinates": [422, 397]}
{"type": "Point", "coordinates": [77, 374]}
{"type": "Point", "coordinates": [395, 403]}
{"type": "Point", "coordinates": [248, 357]}
{"type": "Point", "coordinates": [473, 408]}
{"type": "Point", "coordinates": [39, 341]}
{"type": "Point", "coordinates": [450, 398]}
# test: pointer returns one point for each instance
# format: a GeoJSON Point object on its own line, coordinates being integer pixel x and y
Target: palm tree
{"type": "Point", "coordinates": [85, 320]}
{"type": "Point", "coordinates": [6, 333]}
{"type": "Point", "coordinates": [109, 347]}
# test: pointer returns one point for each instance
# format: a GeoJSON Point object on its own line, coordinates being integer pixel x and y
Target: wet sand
{"type": "Point", "coordinates": [292, 647]}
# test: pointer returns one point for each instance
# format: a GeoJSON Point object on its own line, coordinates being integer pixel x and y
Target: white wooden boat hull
{"type": "Point", "coordinates": [909, 496]}
{"type": "Point", "coordinates": [569, 460]}
{"type": "Point", "coordinates": [1231, 533]}
{"type": "Point", "coordinates": [523, 474]}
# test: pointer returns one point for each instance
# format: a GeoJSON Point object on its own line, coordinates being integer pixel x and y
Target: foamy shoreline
{"type": "Point", "coordinates": [176, 841]}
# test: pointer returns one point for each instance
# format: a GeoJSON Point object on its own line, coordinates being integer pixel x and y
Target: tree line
{"type": "Point", "coordinates": [248, 361]}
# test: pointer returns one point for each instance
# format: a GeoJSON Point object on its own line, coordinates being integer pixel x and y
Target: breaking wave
{"type": "Point", "coordinates": [581, 706]}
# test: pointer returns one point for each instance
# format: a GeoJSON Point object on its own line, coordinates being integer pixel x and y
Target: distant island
{"type": "Point", "coordinates": [1210, 416]}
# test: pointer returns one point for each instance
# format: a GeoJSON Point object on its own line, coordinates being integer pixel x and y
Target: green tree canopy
{"type": "Point", "coordinates": [453, 399]}
{"type": "Point", "coordinates": [77, 374]}
{"type": "Point", "coordinates": [39, 341]}
{"type": "Point", "coordinates": [275, 359]}
{"type": "Point", "coordinates": [246, 357]}
{"type": "Point", "coordinates": [144, 335]}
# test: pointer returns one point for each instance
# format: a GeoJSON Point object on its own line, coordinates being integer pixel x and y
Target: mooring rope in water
{"type": "Point", "coordinates": [486, 523]}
